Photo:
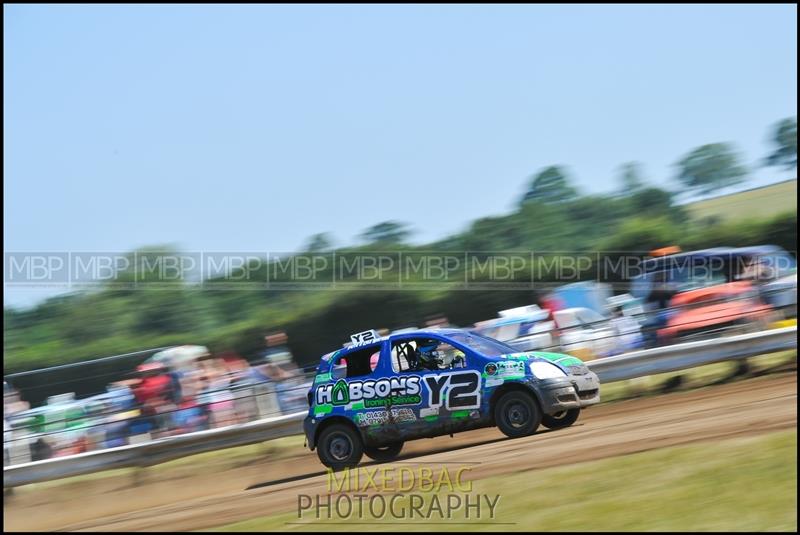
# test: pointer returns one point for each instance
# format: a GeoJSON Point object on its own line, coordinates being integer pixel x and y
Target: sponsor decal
{"type": "Point", "coordinates": [511, 369]}
{"type": "Point", "coordinates": [364, 337]}
{"type": "Point", "coordinates": [393, 400]}
{"type": "Point", "coordinates": [381, 417]}
{"type": "Point", "coordinates": [456, 390]}
{"type": "Point", "coordinates": [494, 381]}
{"type": "Point", "coordinates": [322, 378]}
{"type": "Point", "coordinates": [322, 410]}
{"type": "Point", "coordinates": [374, 392]}
{"type": "Point", "coordinates": [496, 373]}
{"type": "Point", "coordinates": [428, 411]}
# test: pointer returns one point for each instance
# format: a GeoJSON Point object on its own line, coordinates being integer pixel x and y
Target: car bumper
{"type": "Point", "coordinates": [557, 395]}
{"type": "Point", "coordinates": [310, 428]}
{"type": "Point", "coordinates": [588, 388]}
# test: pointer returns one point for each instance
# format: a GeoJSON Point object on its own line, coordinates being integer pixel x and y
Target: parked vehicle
{"type": "Point", "coordinates": [705, 282]}
{"type": "Point", "coordinates": [525, 328]}
{"type": "Point", "coordinates": [585, 333]}
{"type": "Point", "coordinates": [715, 309]}
{"type": "Point", "coordinates": [585, 294]}
{"type": "Point", "coordinates": [579, 331]}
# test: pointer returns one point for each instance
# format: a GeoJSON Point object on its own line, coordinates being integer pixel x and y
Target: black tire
{"type": "Point", "coordinates": [517, 414]}
{"type": "Point", "coordinates": [383, 453]}
{"type": "Point", "coordinates": [561, 419]}
{"type": "Point", "coordinates": [339, 446]}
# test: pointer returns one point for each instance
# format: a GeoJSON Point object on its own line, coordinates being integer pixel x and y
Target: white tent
{"type": "Point", "coordinates": [180, 357]}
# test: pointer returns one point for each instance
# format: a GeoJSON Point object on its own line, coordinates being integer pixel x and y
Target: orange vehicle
{"type": "Point", "coordinates": [715, 308]}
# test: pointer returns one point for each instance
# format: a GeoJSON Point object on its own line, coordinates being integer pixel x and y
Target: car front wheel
{"type": "Point", "coordinates": [517, 414]}
{"type": "Point", "coordinates": [340, 447]}
{"type": "Point", "coordinates": [561, 419]}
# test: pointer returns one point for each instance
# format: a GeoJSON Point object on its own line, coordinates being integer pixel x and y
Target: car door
{"type": "Point", "coordinates": [360, 390]}
{"type": "Point", "coordinates": [449, 396]}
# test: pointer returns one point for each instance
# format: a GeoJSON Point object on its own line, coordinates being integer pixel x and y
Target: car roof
{"type": "Point", "coordinates": [431, 331]}
{"type": "Point", "coordinates": [449, 331]}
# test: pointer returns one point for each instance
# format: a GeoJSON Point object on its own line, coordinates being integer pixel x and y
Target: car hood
{"type": "Point", "coordinates": [565, 361]}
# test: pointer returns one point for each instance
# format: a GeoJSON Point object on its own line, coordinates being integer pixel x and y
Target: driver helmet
{"type": "Point", "coordinates": [428, 356]}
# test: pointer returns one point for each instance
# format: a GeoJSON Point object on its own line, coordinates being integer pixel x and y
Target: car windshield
{"type": "Point", "coordinates": [483, 344]}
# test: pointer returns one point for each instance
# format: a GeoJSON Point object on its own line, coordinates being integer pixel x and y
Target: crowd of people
{"type": "Point", "coordinates": [176, 391]}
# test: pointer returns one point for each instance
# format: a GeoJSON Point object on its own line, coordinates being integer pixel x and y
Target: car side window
{"type": "Point", "coordinates": [449, 357]}
{"type": "Point", "coordinates": [404, 357]}
{"type": "Point", "coordinates": [419, 354]}
{"type": "Point", "coordinates": [357, 363]}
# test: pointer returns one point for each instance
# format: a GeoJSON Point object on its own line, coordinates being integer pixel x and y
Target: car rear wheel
{"type": "Point", "coordinates": [383, 453]}
{"type": "Point", "coordinates": [517, 414]}
{"type": "Point", "coordinates": [561, 419]}
{"type": "Point", "coordinates": [340, 447]}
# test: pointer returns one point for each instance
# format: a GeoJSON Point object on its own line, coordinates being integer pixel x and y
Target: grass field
{"type": "Point", "coordinates": [744, 484]}
{"type": "Point", "coordinates": [751, 204]}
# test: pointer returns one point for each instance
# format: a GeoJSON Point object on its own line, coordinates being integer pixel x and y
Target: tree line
{"type": "Point", "coordinates": [552, 215]}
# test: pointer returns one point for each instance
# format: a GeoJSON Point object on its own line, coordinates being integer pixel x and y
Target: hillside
{"type": "Point", "coordinates": [756, 203]}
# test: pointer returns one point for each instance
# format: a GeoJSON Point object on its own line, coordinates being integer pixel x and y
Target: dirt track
{"type": "Point", "coordinates": [198, 501]}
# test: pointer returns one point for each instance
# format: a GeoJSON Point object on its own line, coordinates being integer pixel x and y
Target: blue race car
{"type": "Point", "coordinates": [372, 396]}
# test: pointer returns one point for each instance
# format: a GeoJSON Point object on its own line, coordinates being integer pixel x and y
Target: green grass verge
{"type": "Point", "coordinates": [692, 378]}
{"type": "Point", "coordinates": [742, 484]}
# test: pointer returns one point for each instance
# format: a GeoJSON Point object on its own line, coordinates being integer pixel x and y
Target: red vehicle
{"type": "Point", "coordinates": [715, 308]}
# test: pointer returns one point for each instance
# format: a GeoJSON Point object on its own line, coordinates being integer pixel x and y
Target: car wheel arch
{"type": "Point", "coordinates": [510, 387]}
{"type": "Point", "coordinates": [329, 421]}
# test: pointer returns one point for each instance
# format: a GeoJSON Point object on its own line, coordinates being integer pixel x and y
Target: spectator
{"type": "Point", "coordinates": [154, 396]}
{"type": "Point", "coordinates": [437, 321]}
{"type": "Point", "coordinates": [277, 365]}
{"type": "Point", "coordinates": [190, 416]}
{"type": "Point", "coordinates": [12, 402]}
{"type": "Point", "coordinates": [627, 330]}
{"type": "Point", "coordinates": [215, 394]}
{"type": "Point", "coordinates": [205, 391]}
{"type": "Point", "coordinates": [277, 351]}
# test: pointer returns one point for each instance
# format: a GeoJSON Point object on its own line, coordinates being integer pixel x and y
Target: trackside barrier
{"type": "Point", "coordinates": [691, 354]}
{"type": "Point", "coordinates": [610, 369]}
{"type": "Point", "coordinates": [154, 452]}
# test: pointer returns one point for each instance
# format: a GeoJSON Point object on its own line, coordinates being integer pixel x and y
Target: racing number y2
{"type": "Point", "coordinates": [460, 390]}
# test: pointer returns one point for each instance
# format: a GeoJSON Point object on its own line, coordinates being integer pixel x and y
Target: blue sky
{"type": "Point", "coordinates": [228, 128]}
